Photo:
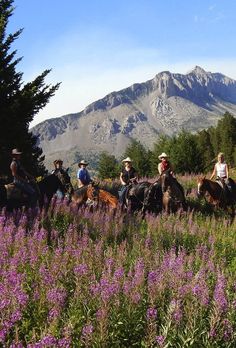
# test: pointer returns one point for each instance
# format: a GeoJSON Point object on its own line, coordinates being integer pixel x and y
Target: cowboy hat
{"type": "Point", "coordinates": [16, 152]}
{"type": "Point", "coordinates": [83, 162]}
{"type": "Point", "coordinates": [163, 155]}
{"type": "Point", "coordinates": [127, 159]}
{"type": "Point", "coordinates": [58, 161]}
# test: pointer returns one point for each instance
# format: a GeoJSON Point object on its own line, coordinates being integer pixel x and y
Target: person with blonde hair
{"type": "Point", "coordinates": [221, 169]}
{"type": "Point", "coordinates": [221, 172]}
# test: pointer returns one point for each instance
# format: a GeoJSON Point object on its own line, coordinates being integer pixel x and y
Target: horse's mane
{"type": "Point", "coordinates": [81, 191]}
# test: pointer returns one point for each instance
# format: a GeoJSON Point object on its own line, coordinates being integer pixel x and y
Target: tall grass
{"type": "Point", "coordinates": [74, 278]}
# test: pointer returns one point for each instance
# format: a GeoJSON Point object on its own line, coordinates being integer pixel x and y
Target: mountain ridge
{"type": "Point", "coordinates": [163, 105]}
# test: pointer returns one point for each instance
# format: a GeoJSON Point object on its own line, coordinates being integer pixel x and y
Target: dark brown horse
{"type": "Point", "coordinates": [45, 190]}
{"type": "Point", "coordinates": [173, 193]}
{"type": "Point", "coordinates": [216, 193]}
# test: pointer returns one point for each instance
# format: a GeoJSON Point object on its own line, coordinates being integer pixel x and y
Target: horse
{"type": "Point", "coordinates": [81, 196]}
{"type": "Point", "coordinates": [173, 193]}
{"type": "Point", "coordinates": [144, 197]}
{"type": "Point", "coordinates": [215, 194]}
{"type": "Point", "coordinates": [64, 177]}
{"type": "Point", "coordinates": [107, 199]}
{"type": "Point", "coordinates": [48, 186]}
{"type": "Point", "coordinates": [45, 190]}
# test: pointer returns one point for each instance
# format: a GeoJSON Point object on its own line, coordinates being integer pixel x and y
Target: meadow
{"type": "Point", "coordinates": [74, 278]}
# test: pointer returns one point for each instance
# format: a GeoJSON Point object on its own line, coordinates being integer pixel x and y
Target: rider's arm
{"type": "Point", "coordinates": [13, 168]}
{"type": "Point", "coordinates": [159, 168]}
{"type": "Point", "coordinates": [213, 173]}
{"type": "Point", "coordinates": [121, 179]}
{"type": "Point", "coordinates": [227, 171]}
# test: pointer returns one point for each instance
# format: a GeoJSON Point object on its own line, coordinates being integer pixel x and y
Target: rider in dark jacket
{"type": "Point", "coordinates": [21, 177]}
{"type": "Point", "coordinates": [128, 175]}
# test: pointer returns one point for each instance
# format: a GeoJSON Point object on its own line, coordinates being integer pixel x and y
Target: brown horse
{"type": "Point", "coordinates": [215, 193]}
{"type": "Point", "coordinates": [173, 193]}
{"type": "Point", "coordinates": [94, 194]}
{"type": "Point", "coordinates": [81, 196]}
{"type": "Point", "coordinates": [107, 199]}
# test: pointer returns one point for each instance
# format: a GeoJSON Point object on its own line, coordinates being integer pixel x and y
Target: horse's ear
{"type": "Point", "coordinates": [67, 169]}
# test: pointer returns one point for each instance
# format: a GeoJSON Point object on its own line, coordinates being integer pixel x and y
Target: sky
{"type": "Point", "coordinates": [95, 47]}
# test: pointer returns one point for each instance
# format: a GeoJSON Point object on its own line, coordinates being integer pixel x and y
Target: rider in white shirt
{"type": "Point", "coordinates": [221, 169]}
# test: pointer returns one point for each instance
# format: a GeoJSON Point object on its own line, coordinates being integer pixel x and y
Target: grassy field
{"type": "Point", "coordinates": [74, 278]}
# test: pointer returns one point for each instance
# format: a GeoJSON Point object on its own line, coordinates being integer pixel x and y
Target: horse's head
{"type": "Point", "coordinates": [166, 180]}
{"type": "Point", "coordinates": [64, 178]}
{"type": "Point", "coordinates": [201, 186]}
{"type": "Point", "coordinates": [93, 191]}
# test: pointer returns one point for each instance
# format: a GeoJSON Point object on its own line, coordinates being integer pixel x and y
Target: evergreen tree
{"type": "Point", "coordinates": [18, 103]}
{"type": "Point", "coordinates": [108, 166]}
{"type": "Point", "coordinates": [226, 131]}
{"type": "Point", "coordinates": [140, 156]}
{"type": "Point", "coordinates": [187, 156]}
{"type": "Point", "coordinates": [206, 149]}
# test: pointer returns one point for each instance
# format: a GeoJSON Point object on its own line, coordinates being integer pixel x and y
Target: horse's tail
{"type": "Point", "coordinates": [108, 198]}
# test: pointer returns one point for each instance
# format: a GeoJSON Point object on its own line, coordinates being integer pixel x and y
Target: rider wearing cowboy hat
{"type": "Point", "coordinates": [58, 171]}
{"type": "Point", "coordinates": [83, 175]}
{"type": "Point", "coordinates": [128, 175]}
{"type": "Point", "coordinates": [164, 164]}
{"type": "Point", "coordinates": [58, 166]}
{"type": "Point", "coordinates": [21, 177]}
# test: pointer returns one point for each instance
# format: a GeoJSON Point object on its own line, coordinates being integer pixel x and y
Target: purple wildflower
{"type": "Point", "coordinates": [160, 340]}
{"type": "Point", "coordinates": [151, 313]}
{"type": "Point", "coordinates": [219, 294]}
{"type": "Point", "coordinates": [87, 330]}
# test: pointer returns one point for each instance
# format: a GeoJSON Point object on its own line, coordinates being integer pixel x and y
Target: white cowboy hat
{"type": "Point", "coordinates": [127, 159]}
{"type": "Point", "coordinates": [16, 152]}
{"type": "Point", "coordinates": [163, 155]}
{"type": "Point", "coordinates": [83, 162]}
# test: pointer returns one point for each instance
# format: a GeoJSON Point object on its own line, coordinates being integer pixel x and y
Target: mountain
{"type": "Point", "coordinates": [164, 105]}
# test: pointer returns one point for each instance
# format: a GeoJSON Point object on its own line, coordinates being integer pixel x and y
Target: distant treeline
{"type": "Point", "coordinates": [188, 153]}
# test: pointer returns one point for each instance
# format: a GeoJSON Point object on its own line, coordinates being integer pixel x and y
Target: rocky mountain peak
{"type": "Point", "coordinates": [163, 105]}
{"type": "Point", "coordinates": [197, 70]}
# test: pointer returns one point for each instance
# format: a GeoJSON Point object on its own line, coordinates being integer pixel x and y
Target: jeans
{"type": "Point", "coordinates": [122, 192]}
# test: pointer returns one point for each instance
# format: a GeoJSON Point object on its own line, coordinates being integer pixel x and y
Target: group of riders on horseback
{"type": "Point", "coordinates": [140, 193]}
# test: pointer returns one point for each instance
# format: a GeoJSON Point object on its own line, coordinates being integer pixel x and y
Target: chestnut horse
{"type": "Point", "coordinates": [215, 193]}
{"type": "Point", "coordinates": [107, 199]}
{"type": "Point", "coordinates": [81, 196]}
{"type": "Point", "coordinates": [94, 194]}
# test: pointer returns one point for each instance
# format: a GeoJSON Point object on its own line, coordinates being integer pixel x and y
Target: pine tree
{"type": "Point", "coordinates": [18, 103]}
{"type": "Point", "coordinates": [108, 166]}
{"type": "Point", "coordinates": [140, 156]}
{"type": "Point", "coordinates": [226, 130]}
{"type": "Point", "coordinates": [206, 149]}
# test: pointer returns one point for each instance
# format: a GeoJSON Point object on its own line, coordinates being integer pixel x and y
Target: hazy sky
{"type": "Point", "coordinates": [95, 47]}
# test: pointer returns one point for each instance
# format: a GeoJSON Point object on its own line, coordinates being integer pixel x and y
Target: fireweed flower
{"type": "Point", "coordinates": [160, 340]}
{"type": "Point", "coordinates": [56, 296]}
{"type": "Point", "coordinates": [81, 269]}
{"type": "Point", "coordinates": [219, 293]}
{"type": "Point", "coordinates": [151, 313]}
{"type": "Point", "coordinates": [64, 343]}
{"type": "Point", "coordinates": [87, 331]}
{"type": "Point", "coordinates": [119, 273]}
{"type": "Point", "coordinates": [228, 329]}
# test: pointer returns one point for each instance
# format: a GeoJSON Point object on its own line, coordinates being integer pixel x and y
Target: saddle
{"type": "Point", "coordinates": [14, 192]}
